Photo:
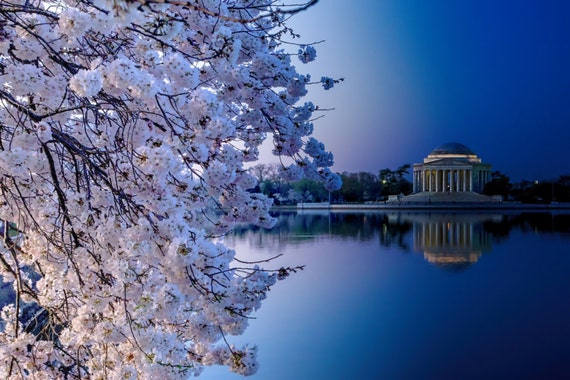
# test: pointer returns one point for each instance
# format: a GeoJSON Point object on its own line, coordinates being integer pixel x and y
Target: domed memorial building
{"type": "Point", "coordinates": [451, 168]}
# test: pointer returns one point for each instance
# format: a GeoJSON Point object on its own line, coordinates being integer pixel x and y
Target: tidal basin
{"type": "Point", "coordinates": [412, 295]}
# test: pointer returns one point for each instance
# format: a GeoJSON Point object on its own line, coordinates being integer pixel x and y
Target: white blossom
{"type": "Point", "coordinates": [327, 83]}
{"type": "Point", "coordinates": [86, 83]}
{"type": "Point", "coordinates": [307, 54]}
{"type": "Point", "coordinates": [125, 130]}
{"type": "Point", "coordinates": [74, 23]}
{"type": "Point", "coordinates": [291, 173]}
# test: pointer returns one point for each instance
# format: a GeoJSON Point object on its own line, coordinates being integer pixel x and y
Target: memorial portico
{"type": "Point", "coordinates": [451, 167]}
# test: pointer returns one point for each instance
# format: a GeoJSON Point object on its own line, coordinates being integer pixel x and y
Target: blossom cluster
{"type": "Point", "coordinates": [125, 129]}
{"type": "Point", "coordinates": [307, 54]}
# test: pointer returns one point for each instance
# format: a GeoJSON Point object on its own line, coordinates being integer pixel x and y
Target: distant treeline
{"type": "Point", "coordinates": [361, 187]}
{"type": "Point", "coordinates": [544, 191]}
{"type": "Point", "coordinates": [356, 187]}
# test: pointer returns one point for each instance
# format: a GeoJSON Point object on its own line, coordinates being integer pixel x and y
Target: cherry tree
{"type": "Point", "coordinates": [125, 130]}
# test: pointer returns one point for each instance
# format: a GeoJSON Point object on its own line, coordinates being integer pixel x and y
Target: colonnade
{"type": "Point", "coordinates": [449, 242]}
{"type": "Point", "coordinates": [440, 180]}
{"type": "Point", "coordinates": [439, 235]}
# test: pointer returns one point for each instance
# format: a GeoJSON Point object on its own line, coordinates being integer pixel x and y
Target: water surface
{"type": "Point", "coordinates": [412, 296]}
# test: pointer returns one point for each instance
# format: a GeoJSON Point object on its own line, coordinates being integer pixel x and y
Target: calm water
{"type": "Point", "coordinates": [403, 295]}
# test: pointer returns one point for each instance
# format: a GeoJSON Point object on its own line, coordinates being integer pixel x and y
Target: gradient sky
{"type": "Point", "coordinates": [493, 75]}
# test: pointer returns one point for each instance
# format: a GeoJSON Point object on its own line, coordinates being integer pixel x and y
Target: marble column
{"type": "Point", "coordinates": [457, 180]}
{"type": "Point", "coordinates": [415, 181]}
{"type": "Point", "coordinates": [479, 179]}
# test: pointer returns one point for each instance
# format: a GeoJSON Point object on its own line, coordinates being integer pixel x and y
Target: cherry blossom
{"type": "Point", "coordinates": [125, 127]}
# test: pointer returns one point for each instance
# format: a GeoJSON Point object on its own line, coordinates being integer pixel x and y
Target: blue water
{"type": "Point", "coordinates": [412, 296]}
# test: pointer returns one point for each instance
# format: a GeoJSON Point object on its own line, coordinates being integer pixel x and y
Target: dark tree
{"type": "Point", "coordinates": [500, 184]}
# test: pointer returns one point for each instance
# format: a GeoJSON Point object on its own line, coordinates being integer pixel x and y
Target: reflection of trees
{"type": "Point", "coordinates": [360, 227]}
{"type": "Point", "coordinates": [529, 222]}
{"type": "Point", "coordinates": [393, 229]}
{"type": "Point", "coordinates": [292, 227]}
{"type": "Point", "coordinates": [544, 222]}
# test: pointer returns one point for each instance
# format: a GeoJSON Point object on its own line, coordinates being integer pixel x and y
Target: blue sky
{"type": "Point", "coordinates": [493, 75]}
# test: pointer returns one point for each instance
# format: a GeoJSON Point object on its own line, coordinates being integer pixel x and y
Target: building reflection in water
{"type": "Point", "coordinates": [452, 241]}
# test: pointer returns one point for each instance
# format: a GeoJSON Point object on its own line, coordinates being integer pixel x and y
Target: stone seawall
{"type": "Point", "coordinates": [427, 206]}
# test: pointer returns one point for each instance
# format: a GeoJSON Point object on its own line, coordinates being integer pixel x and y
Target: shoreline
{"type": "Point", "coordinates": [424, 206]}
